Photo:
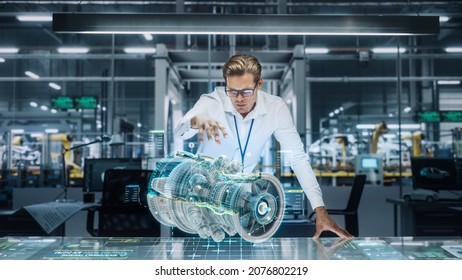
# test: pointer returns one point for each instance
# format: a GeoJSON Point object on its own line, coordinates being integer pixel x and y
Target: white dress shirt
{"type": "Point", "coordinates": [271, 117]}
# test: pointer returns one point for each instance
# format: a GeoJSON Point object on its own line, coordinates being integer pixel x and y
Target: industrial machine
{"type": "Point", "coordinates": [372, 166]}
{"type": "Point", "coordinates": [210, 197]}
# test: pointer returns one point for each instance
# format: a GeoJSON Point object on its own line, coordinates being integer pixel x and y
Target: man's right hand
{"type": "Point", "coordinates": [210, 126]}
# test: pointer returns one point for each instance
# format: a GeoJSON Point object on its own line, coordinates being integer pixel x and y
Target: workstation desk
{"type": "Point", "coordinates": [232, 248]}
{"type": "Point", "coordinates": [442, 217]}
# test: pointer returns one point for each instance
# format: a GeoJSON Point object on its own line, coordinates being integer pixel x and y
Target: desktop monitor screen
{"type": "Point", "coordinates": [125, 186]}
{"type": "Point", "coordinates": [94, 169]}
{"type": "Point", "coordinates": [369, 163]}
{"type": "Point", "coordinates": [434, 173]}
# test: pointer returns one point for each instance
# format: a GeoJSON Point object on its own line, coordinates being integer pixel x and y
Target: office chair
{"type": "Point", "coordinates": [122, 213]}
{"type": "Point", "coordinates": [351, 211]}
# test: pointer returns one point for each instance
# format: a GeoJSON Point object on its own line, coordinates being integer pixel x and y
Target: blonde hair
{"type": "Point", "coordinates": [241, 64]}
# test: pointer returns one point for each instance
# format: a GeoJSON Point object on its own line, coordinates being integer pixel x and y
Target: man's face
{"type": "Point", "coordinates": [243, 104]}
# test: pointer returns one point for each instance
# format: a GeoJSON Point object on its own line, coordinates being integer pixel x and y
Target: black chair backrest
{"type": "Point", "coordinates": [356, 192]}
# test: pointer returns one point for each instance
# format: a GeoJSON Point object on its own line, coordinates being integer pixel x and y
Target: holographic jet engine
{"type": "Point", "coordinates": [211, 197]}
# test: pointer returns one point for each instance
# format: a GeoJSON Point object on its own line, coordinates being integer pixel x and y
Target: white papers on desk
{"type": "Point", "coordinates": [53, 214]}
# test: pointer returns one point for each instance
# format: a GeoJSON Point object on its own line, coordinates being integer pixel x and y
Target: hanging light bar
{"type": "Point", "coordinates": [117, 23]}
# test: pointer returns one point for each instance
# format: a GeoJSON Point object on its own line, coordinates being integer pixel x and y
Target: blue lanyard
{"type": "Point", "coordinates": [246, 142]}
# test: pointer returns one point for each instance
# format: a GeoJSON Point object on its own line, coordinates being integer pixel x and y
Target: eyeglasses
{"type": "Point", "coordinates": [247, 92]}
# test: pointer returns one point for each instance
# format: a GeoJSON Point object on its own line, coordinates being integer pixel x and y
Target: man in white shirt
{"type": "Point", "coordinates": [239, 119]}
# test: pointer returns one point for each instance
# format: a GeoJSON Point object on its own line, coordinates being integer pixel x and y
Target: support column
{"type": "Point", "coordinates": [161, 88]}
{"type": "Point", "coordinates": [303, 95]}
{"type": "Point", "coordinates": [282, 39]}
{"type": "Point", "coordinates": [179, 39]}
{"type": "Point", "coordinates": [111, 104]}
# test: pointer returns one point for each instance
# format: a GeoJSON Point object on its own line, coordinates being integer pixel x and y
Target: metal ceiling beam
{"type": "Point", "coordinates": [202, 75]}
{"type": "Point", "coordinates": [246, 24]}
{"type": "Point", "coordinates": [198, 57]}
{"type": "Point", "coordinates": [394, 79]}
{"type": "Point", "coordinates": [81, 79]}
{"type": "Point", "coordinates": [75, 56]}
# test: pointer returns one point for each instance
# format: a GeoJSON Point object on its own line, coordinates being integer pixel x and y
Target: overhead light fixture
{"type": "Point", "coordinates": [54, 86]}
{"type": "Point", "coordinates": [389, 136]}
{"type": "Point", "coordinates": [33, 104]}
{"type": "Point", "coordinates": [404, 126]}
{"type": "Point", "coordinates": [35, 18]}
{"type": "Point", "coordinates": [9, 50]}
{"type": "Point", "coordinates": [2, 60]}
{"type": "Point", "coordinates": [148, 36]}
{"type": "Point", "coordinates": [36, 134]}
{"type": "Point", "coordinates": [116, 23]}
{"type": "Point", "coordinates": [388, 50]}
{"type": "Point", "coordinates": [444, 19]}
{"type": "Point", "coordinates": [450, 82]}
{"type": "Point", "coordinates": [44, 108]}
{"type": "Point", "coordinates": [54, 111]}
{"type": "Point", "coordinates": [365, 126]}
{"type": "Point", "coordinates": [453, 49]}
{"type": "Point", "coordinates": [51, 130]}
{"type": "Point", "coordinates": [139, 50]}
{"type": "Point", "coordinates": [316, 50]}
{"type": "Point", "coordinates": [407, 109]}
{"type": "Point", "coordinates": [17, 130]}
{"type": "Point", "coordinates": [73, 50]}
{"type": "Point", "coordinates": [390, 126]}
{"type": "Point", "coordinates": [32, 75]}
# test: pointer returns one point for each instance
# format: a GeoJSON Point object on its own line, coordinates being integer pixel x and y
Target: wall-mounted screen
{"type": "Point", "coordinates": [74, 102]}
{"type": "Point", "coordinates": [62, 102]}
{"type": "Point", "coordinates": [86, 102]}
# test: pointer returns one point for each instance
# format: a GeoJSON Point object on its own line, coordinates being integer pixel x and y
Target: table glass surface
{"type": "Point", "coordinates": [195, 248]}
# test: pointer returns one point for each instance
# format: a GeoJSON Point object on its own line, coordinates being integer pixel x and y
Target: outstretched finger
{"type": "Point", "coordinates": [201, 135]}
{"type": "Point", "coordinates": [209, 130]}
{"type": "Point", "coordinates": [223, 130]}
{"type": "Point", "coordinates": [216, 133]}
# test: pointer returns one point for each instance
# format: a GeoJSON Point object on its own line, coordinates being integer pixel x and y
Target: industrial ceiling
{"type": "Point", "coordinates": [349, 72]}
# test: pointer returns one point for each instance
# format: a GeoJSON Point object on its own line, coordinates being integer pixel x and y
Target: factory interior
{"type": "Point", "coordinates": [77, 104]}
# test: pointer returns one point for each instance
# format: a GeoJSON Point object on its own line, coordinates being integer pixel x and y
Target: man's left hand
{"type": "Point", "coordinates": [325, 223]}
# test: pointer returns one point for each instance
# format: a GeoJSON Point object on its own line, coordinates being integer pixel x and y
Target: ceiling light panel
{"type": "Point", "coordinates": [73, 50]}
{"type": "Point", "coordinates": [243, 24]}
{"type": "Point", "coordinates": [35, 18]}
{"type": "Point", "coordinates": [9, 50]}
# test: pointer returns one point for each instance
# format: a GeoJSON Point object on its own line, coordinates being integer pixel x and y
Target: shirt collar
{"type": "Point", "coordinates": [260, 108]}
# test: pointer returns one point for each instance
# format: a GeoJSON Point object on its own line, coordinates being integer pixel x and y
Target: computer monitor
{"type": "Point", "coordinates": [126, 186]}
{"type": "Point", "coordinates": [435, 174]}
{"type": "Point", "coordinates": [369, 162]}
{"type": "Point", "coordinates": [94, 169]}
